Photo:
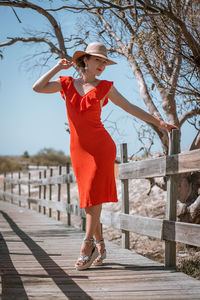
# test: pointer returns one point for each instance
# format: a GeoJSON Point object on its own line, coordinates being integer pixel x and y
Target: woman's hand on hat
{"type": "Point", "coordinates": [65, 64]}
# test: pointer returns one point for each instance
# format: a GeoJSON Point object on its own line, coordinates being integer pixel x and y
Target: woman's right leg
{"type": "Point", "coordinates": [92, 220]}
{"type": "Point", "coordinates": [100, 245]}
{"type": "Point", "coordinates": [98, 232]}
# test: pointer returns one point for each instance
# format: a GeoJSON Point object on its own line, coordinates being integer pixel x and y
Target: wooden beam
{"type": "Point", "coordinates": [142, 225]}
{"type": "Point", "coordinates": [157, 228]}
{"type": "Point", "coordinates": [162, 166]}
{"type": "Point", "coordinates": [172, 195]}
{"type": "Point", "coordinates": [110, 219]}
{"type": "Point", "coordinates": [186, 233]}
{"type": "Point", "coordinates": [66, 178]}
{"type": "Point", "coordinates": [125, 196]}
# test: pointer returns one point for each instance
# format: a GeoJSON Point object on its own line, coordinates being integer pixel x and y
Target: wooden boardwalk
{"type": "Point", "coordinates": [37, 256]}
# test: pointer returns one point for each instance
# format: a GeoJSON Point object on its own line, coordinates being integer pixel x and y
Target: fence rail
{"type": "Point", "coordinates": [161, 166]}
{"type": "Point", "coordinates": [168, 229]}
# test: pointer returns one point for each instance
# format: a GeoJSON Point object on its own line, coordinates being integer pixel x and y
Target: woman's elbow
{"type": "Point", "coordinates": [36, 88]}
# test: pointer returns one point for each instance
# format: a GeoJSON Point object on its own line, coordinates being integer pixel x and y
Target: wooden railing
{"type": "Point", "coordinates": [166, 229]}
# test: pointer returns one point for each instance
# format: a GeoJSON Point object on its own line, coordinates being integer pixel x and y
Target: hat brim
{"type": "Point", "coordinates": [78, 54]}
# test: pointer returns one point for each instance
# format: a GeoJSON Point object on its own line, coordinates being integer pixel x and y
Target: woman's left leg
{"type": "Point", "coordinates": [87, 248]}
{"type": "Point", "coordinates": [100, 245]}
{"type": "Point", "coordinates": [98, 232]}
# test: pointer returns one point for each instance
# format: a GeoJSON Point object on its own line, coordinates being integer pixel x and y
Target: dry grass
{"type": "Point", "coordinates": [47, 157]}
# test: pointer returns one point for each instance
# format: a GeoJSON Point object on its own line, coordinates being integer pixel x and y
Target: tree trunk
{"type": "Point", "coordinates": [189, 192]}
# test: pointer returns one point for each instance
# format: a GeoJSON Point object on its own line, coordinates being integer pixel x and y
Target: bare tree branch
{"type": "Point", "coordinates": [12, 41]}
{"type": "Point", "coordinates": [189, 114]}
{"type": "Point", "coordinates": [40, 10]}
{"type": "Point", "coordinates": [191, 42]}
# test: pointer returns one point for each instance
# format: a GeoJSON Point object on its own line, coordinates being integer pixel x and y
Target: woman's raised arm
{"type": "Point", "coordinates": [137, 112]}
{"type": "Point", "coordinates": [44, 85]}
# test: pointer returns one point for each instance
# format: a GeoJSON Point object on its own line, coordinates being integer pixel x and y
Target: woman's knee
{"type": "Point", "coordinates": [94, 210]}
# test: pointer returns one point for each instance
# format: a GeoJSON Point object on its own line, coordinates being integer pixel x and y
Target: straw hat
{"type": "Point", "coordinates": [95, 49]}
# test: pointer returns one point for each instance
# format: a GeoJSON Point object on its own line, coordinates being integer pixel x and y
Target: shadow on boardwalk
{"type": "Point", "coordinates": [11, 278]}
{"type": "Point", "coordinates": [37, 256]}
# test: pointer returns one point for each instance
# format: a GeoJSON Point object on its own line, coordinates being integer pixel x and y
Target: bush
{"type": "Point", "coordinates": [7, 165]}
{"type": "Point", "coordinates": [49, 156]}
{"type": "Point", "coordinates": [190, 267]}
{"type": "Point", "coordinates": [26, 155]}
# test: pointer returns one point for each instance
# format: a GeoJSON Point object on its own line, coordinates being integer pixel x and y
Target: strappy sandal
{"type": "Point", "coordinates": [101, 256]}
{"type": "Point", "coordinates": [87, 260]}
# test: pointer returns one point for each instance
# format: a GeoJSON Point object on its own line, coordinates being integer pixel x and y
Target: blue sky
{"type": "Point", "coordinates": [31, 121]}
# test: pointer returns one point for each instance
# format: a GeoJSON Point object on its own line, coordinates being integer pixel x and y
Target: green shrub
{"type": "Point", "coordinates": [26, 155]}
{"type": "Point", "coordinates": [49, 156]}
{"type": "Point", "coordinates": [8, 165]}
{"type": "Point", "coordinates": [190, 267]}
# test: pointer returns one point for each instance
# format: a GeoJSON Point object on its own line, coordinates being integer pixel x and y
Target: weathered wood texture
{"type": "Point", "coordinates": [37, 256]}
{"type": "Point", "coordinates": [168, 230]}
{"type": "Point", "coordinates": [161, 166]}
{"type": "Point", "coordinates": [66, 178]}
{"type": "Point", "coordinates": [172, 196]}
{"type": "Point", "coordinates": [156, 228]}
{"type": "Point", "coordinates": [125, 196]}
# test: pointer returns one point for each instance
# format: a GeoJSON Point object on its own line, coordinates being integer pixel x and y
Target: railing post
{"type": "Point", "coordinates": [50, 192]}
{"type": "Point", "coordinates": [68, 195]}
{"type": "Point", "coordinates": [44, 190]}
{"type": "Point", "coordinates": [29, 190]}
{"type": "Point", "coordinates": [11, 187]}
{"type": "Point", "coordinates": [40, 192]}
{"type": "Point", "coordinates": [170, 246]}
{"type": "Point", "coordinates": [4, 187]}
{"type": "Point", "coordinates": [59, 192]}
{"type": "Point", "coordinates": [19, 189]}
{"type": "Point", "coordinates": [125, 196]}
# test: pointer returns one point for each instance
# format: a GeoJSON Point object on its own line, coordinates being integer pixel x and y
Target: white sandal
{"type": "Point", "coordinates": [87, 260]}
{"type": "Point", "coordinates": [101, 256]}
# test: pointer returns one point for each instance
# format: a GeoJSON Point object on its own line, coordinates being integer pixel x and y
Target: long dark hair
{"type": "Point", "coordinates": [80, 62]}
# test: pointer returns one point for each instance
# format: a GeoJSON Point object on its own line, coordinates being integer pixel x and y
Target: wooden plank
{"type": "Point", "coordinates": [142, 225]}
{"type": "Point", "coordinates": [50, 192]}
{"type": "Point", "coordinates": [162, 166]}
{"type": "Point", "coordinates": [37, 256]}
{"type": "Point", "coordinates": [66, 178]}
{"type": "Point", "coordinates": [172, 195]}
{"type": "Point", "coordinates": [138, 224]}
{"type": "Point", "coordinates": [19, 187]}
{"type": "Point", "coordinates": [156, 228]}
{"type": "Point", "coordinates": [125, 196]}
{"type": "Point", "coordinates": [111, 219]}
{"type": "Point", "coordinates": [59, 192]}
{"type": "Point", "coordinates": [68, 194]}
{"type": "Point", "coordinates": [44, 192]}
{"type": "Point", "coordinates": [60, 206]}
{"type": "Point", "coordinates": [40, 192]}
{"type": "Point", "coordinates": [182, 232]}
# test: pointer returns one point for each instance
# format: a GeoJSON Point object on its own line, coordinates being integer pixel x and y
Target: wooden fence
{"type": "Point", "coordinates": [168, 229]}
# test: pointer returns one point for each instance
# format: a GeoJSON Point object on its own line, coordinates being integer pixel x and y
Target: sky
{"type": "Point", "coordinates": [30, 121]}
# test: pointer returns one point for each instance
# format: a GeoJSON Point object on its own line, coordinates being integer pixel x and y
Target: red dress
{"type": "Point", "coordinates": [92, 149]}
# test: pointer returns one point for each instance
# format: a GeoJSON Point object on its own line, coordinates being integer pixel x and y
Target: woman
{"type": "Point", "coordinates": [92, 149]}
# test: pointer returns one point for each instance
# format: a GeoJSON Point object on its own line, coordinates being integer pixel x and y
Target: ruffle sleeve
{"type": "Point", "coordinates": [96, 95]}
{"type": "Point", "coordinates": [83, 103]}
{"type": "Point", "coordinates": [65, 83]}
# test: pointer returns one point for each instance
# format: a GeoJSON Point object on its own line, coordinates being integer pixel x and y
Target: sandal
{"type": "Point", "coordinates": [87, 260]}
{"type": "Point", "coordinates": [99, 260]}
